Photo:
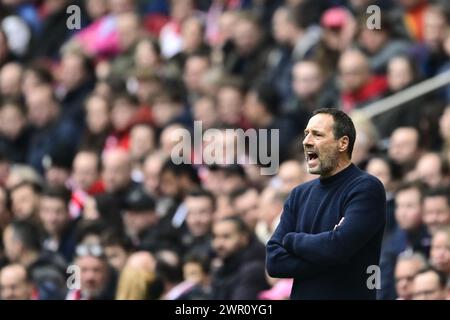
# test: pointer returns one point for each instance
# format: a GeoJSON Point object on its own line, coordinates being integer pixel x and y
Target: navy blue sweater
{"type": "Point", "coordinates": [328, 262]}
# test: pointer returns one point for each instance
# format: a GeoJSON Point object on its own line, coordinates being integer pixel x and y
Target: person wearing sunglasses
{"type": "Point", "coordinates": [93, 278]}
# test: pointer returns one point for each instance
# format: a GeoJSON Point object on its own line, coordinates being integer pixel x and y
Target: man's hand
{"type": "Point", "coordinates": [340, 222]}
{"type": "Point", "coordinates": [288, 242]}
{"type": "Point", "coordinates": [288, 239]}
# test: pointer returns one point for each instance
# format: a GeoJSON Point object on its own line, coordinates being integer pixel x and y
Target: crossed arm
{"type": "Point", "coordinates": [299, 254]}
{"type": "Point", "coordinates": [282, 263]}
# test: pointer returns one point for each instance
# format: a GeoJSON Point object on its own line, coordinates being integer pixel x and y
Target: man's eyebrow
{"type": "Point", "coordinates": [315, 131]}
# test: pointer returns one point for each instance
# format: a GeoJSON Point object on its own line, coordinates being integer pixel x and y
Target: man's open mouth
{"type": "Point", "coordinates": [311, 155]}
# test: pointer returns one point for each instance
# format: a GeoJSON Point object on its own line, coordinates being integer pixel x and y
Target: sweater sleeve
{"type": "Point", "coordinates": [364, 216]}
{"type": "Point", "coordinates": [279, 262]}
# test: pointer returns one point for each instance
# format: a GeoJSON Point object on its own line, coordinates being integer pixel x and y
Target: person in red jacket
{"type": "Point", "coordinates": [357, 83]}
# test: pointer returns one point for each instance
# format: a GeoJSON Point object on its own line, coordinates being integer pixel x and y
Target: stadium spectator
{"type": "Point", "coordinates": [116, 173]}
{"type": "Point", "coordinates": [380, 43]}
{"type": "Point", "coordinates": [436, 209]}
{"type": "Point", "coordinates": [429, 53]}
{"type": "Point", "coordinates": [6, 54]}
{"type": "Point", "coordinates": [15, 134]}
{"type": "Point", "coordinates": [205, 110]}
{"type": "Point", "coordinates": [50, 130]}
{"type": "Point", "coordinates": [444, 130]}
{"type": "Point", "coordinates": [168, 108]}
{"type": "Point", "coordinates": [432, 170]}
{"type": "Point", "coordinates": [440, 251]}
{"type": "Point", "coordinates": [405, 148]}
{"type": "Point", "coordinates": [249, 50]}
{"type": "Point", "coordinates": [170, 36]}
{"type": "Point", "coordinates": [57, 167]}
{"type": "Point", "coordinates": [410, 235]}
{"type": "Point", "coordinates": [262, 110]}
{"type": "Point", "coordinates": [15, 283]}
{"type": "Point", "coordinates": [406, 268]}
{"type": "Point", "coordinates": [56, 222]}
{"type": "Point", "coordinates": [47, 270]}
{"type": "Point", "coordinates": [36, 74]}
{"type": "Point", "coordinates": [241, 274]}
{"type": "Point", "coordinates": [25, 198]}
{"type": "Point", "coordinates": [128, 31]}
{"type": "Point", "coordinates": [5, 211]}
{"type": "Point", "coordinates": [402, 73]}
{"type": "Point", "coordinates": [100, 38]}
{"type": "Point", "coordinates": [97, 119]}
{"type": "Point", "coordinates": [430, 284]}
{"type": "Point", "coordinates": [11, 75]}
{"type": "Point", "coordinates": [411, 14]}
{"type": "Point", "coordinates": [86, 184]}
{"type": "Point", "coordinates": [195, 69]}
{"type": "Point", "coordinates": [86, 172]}
{"type": "Point", "coordinates": [135, 284]}
{"type": "Point", "coordinates": [97, 278]}
{"type": "Point", "coordinates": [117, 249]}
{"type": "Point", "coordinates": [151, 170]}
{"type": "Point", "coordinates": [169, 271]}
{"type": "Point", "coordinates": [383, 168]}
{"type": "Point", "coordinates": [366, 142]}
{"type": "Point", "coordinates": [230, 99]}
{"type": "Point", "coordinates": [200, 206]}
{"type": "Point", "coordinates": [76, 81]}
{"type": "Point", "coordinates": [291, 174]}
{"type": "Point", "coordinates": [147, 55]}
{"type": "Point", "coordinates": [245, 204]}
{"type": "Point", "coordinates": [12, 175]}
{"type": "Point", "coordinates": [138, 279]}
{"type": "Point", "coordinates": [123, 112]}
{"type": "Point", "coordinates": [338, 29]}
{"type": "Point", "coordinates": [358, 85]}
{"type": "Point", "coordinates": [296, 37]}
{"type": "Point", "coordinates": [192, 43]}
{"type": "Point", "coordinates": [142, 225]}
{"type": "Point", "coordinates": [269, 208]}
{"type": "Point", "coordinates": [142, 143]}
{"type": "Point", "coordinates": [196, 270]}
{"type": "Point", "coordinates": [312, 88]}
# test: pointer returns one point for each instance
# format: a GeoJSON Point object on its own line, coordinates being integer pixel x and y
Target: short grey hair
{"type": "Point", "coordinates": [412, 256]}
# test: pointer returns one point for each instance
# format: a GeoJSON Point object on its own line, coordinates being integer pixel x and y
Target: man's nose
{"type": "Point", "coordinates": [307, 140]}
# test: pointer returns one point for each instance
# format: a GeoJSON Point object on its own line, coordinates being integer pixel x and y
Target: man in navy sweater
{"type": "Point", "coordinates": [330, 232]}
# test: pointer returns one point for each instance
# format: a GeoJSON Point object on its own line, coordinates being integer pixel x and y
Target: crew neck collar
{"type": "Point", "coordinates": [341, 175]}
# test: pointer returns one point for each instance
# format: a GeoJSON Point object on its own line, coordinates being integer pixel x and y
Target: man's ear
{"type": "Point", "coordinates": [344, 143]}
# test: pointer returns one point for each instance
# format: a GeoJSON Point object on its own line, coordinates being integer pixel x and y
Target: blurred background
{"type": "Point", "coordinates": [89, 115]}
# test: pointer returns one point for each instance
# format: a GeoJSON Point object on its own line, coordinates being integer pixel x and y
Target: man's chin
{"type": "Point", "coordinates": [91, 293]}
{"type": "Point", "coordinates": [314, 170]}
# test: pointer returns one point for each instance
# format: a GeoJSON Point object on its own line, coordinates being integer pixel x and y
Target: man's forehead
{"type": "Point", "coordinates": [407, 265]}
{"type": "Point", "coordinates": [405, 134]}
{"type": "Point", "coordinates": [321, 121]}
{"type": "Point", "coordinates": [224, 227]}
{"type": "Point", "coordinates": [441, 237]}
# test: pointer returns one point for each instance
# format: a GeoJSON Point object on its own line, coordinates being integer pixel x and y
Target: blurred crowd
{"type": "Point", "coordinates": [90, 116]}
